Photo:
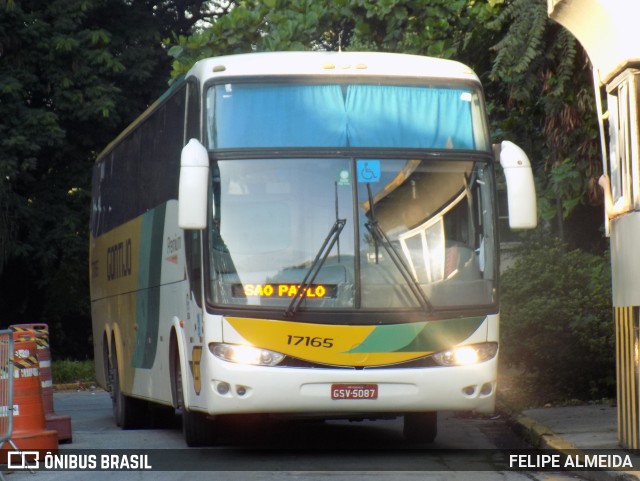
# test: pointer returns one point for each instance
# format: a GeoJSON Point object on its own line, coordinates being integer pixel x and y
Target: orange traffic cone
{"type": "Point", "coordinates": [29, 429]}
{"type": "Point", "coordinates": [57, 422]}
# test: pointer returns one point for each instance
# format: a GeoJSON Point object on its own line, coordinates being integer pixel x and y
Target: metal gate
{"type": "Point", "coordinates": [6, 389]}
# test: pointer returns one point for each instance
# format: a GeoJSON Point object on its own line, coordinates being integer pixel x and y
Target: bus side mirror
{"type": "Point", "coordinates": [521, 190]}
{"type": "Point", "coordinates": [193, 188]}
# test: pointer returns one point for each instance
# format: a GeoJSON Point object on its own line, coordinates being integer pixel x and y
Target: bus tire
{"type": "Point", "coordinates": [106, 364]}
{"type": "Point", "coordinates": [421, 427]}
{"type": "Point", "coordinates": [127, 411]}
{"type": "Point", "coordinates": [196, 429]}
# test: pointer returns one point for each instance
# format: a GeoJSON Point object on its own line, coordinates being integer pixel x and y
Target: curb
{"type": "Point", "coordinates": [543, 437]}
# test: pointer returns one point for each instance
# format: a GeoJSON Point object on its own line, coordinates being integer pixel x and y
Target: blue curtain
{"type": "Point", "coordinates": [279, 116]}
{"type": "Point", "coordinates": [321, 116]}
{"type": "Point", "coordinates": [412, 117]}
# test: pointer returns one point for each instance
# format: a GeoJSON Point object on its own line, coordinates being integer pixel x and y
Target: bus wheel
{"type": "Point", "coordinates": [127, 412]}
{"type": "Point", "coordinates": [106, 364]}
{"type": "Point", "coordinates": [421, 427]}
{"type": "Point", "coordinates": [196, 428]}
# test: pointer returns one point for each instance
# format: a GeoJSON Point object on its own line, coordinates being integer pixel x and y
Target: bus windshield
{"type": "Point", "coordinates": [405, 225]}
{"type": "Point", "coordinates": [249, 115]}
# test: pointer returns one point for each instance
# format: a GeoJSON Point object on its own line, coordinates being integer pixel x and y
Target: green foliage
{"type": "Point", "coordinates": [441, 28]}
{"type": "Point", "coordinates": [437, 28]}
{"type": "Point", "coordinates": [71, 371]}
{"type": "Point", "coordinates": [557, 322]}
{"type": "Point", "coordinates": [564, 190]}
{"type": "Point", "coordinates": [257, 25]}
{"type": "Point", "coordinates": [73, 73]}
{"type": "Point", "coordinates": [518, 52]}
{"type": "Point", "coordinates": [541, 94]}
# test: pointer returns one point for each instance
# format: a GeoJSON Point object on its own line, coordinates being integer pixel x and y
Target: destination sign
{"type": "Point", "coordinates": [318, 291]}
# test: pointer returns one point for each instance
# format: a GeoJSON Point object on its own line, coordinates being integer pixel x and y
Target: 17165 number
{"type": "Point", "coordinates": [308, 341]}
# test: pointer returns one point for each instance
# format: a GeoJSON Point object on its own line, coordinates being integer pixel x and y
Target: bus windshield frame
{"type": "Point", "coordinates": [279, 183]}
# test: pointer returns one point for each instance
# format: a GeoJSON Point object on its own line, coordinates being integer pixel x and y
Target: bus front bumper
{"type": "Point", "coordinates": [234, 388]}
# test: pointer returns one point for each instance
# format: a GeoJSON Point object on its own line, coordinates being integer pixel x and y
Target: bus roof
{"type": "Point", "coordinates": [331, 64]}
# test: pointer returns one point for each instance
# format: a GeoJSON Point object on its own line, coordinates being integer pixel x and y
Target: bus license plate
{"type": "Point", "coordinates": [354, 391]}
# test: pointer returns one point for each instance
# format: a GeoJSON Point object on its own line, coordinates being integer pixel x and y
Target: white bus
{"type": "Point", "coordinates": [303, 234]}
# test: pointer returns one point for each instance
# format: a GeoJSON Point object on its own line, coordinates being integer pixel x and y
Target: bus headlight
{"type": "Point", "coordinates": [467, 355]}
{"type": "Point", "coordinates": [245, 354]}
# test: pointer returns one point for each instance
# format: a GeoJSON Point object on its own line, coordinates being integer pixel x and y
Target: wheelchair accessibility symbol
{"type": "Point", "coordinates": [368, 171]}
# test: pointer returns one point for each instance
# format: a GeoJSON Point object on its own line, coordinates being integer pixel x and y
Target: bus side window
{"type": "Point", "coordinates": [194, 263]}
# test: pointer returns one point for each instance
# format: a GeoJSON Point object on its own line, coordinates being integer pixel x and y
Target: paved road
{"type": "Point", "coordinates": [309, 451]}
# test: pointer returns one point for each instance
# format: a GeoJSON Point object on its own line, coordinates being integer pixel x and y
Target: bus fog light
{"type": "Point", "coordinates": [486, 389]}
{"type": "Point", "coordinates": [223, 388]}
{"type": "Point", "coordinates": [467, 355]}
{"type": "Point", "coordinates": [469, 390]}
{"type": "Point", "coordinates": [245, 354]}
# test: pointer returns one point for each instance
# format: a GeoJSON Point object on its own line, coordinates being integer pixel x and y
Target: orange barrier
{"type": "Point", "coordinates": [29, 427]}
{"type": "Point", "coordinates": [6, 389]}
{"type": "Point", "coordinates": [59, 423]}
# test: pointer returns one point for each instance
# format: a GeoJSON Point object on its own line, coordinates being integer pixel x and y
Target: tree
{"type": "Point", "coordinates": [442, 28]}
{"type": "Point", "coordinates": [73, 73]}
{"type": "Point", "coordinates": [542, 92]}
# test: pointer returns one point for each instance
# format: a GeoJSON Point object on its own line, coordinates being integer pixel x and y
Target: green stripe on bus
{"type": "Point", "coordinates": [419, 337]}
{"type": "Point", "coordinates": [148, 295]}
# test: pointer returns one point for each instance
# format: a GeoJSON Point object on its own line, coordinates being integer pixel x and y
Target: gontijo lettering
{"type": "Point", "coordinates": [283, 290]}
{"type": "Point", "coordinates": [119, 260]}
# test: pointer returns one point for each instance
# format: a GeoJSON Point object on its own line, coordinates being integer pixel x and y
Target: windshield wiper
{"type": "Point", "coordinates": [379, 236]}
{"type": "Point", "coordinates": [316, 265]}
